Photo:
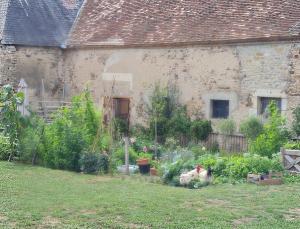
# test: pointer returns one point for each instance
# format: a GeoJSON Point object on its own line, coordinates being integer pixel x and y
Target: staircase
{"type": "Point", "coordinates": [46, 109]}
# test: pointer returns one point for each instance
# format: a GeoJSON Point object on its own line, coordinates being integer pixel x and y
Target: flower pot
{"type": "Point", "coordinates": [153, 172]}
{"type": "Point", "coordinates": [143, 161]}
{"type": "Point", "coordinates": [144, 169]}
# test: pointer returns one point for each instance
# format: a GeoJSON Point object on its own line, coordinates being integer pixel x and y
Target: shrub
{"type": "Point", "coordinates": [94, 163]}
{"type": "Point", "coordinates": [31, 139]}
{"type": "Point", "coordinates": [251, 128]}
{"type": "Point", "coordinates": [179, 124]}
{"type": "Point", "coordinates": [200, 129]}
{"type": "Point", "coordinates": [227, 126]}
{"type": "Point", "coordinates": [4, 147]}
{"type": "Point", "coordinates": [119, 155]}
{"type": "Point", "coordinates": [9, 117]}
{"type": "Point", "coordinates": [296, 121]}
{"type": "Point", "coordinates": [273, 136]}
{"type": "Point", "coordinates": [73, 130]}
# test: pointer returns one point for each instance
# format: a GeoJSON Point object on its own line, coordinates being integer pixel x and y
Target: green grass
{"type": "Point", "coordinates": [34, 197]}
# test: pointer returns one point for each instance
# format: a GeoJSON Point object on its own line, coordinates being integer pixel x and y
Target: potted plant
{"type": "Point", "coordinates": [143, 162]}
{"type": "Point", "coordinates": [154, 167]}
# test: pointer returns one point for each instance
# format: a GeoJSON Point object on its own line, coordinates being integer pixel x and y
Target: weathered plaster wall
{"type": "Point", "coordinates": [40, 66]}
{"type": "Point", "coordinates": [34, 65]}
{"type": "Point", "coordinates": [241, 73]}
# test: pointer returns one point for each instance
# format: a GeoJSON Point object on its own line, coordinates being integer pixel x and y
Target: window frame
{"type": "Point", "coordinates": [214, 114]}
{"type": "Point", "coordinates": [262, 108]}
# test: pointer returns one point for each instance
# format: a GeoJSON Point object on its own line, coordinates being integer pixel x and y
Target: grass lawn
{"type": "Point", "coordinates": [34, 197]}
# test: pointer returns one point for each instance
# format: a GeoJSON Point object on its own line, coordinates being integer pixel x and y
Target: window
{"type": "Point", "coordinates": [220, 108]}
{"type": "Point", "coordinates": [264, 103]}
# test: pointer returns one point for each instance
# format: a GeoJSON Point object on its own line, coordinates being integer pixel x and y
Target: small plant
{"type": "Point", "coordinates": [292, 145]}
{"type": "Point", "coordinates": [251, 128]}
{"type": "Point", "coordinates": [200, 129]}
{"type": "Point", "coordinates": [120, 127]}
{"type": "Point", "coordinates": [227, 127]}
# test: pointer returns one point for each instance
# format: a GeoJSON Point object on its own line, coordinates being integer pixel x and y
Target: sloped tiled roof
{"type": "Point", "coordinates": [39, 22]}
{"type": "Point", "coordinates": [3, 10]}
{"type": "Point", "coordinates": [154, 22]}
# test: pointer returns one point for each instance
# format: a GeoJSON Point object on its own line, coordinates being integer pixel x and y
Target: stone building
{"type": "Point", "coordinates": [228, 58]}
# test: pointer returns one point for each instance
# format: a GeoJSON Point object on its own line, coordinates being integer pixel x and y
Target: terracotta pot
{"type": "Point", "coordinates": [142, 161]}
{"type": "Point", "coordinates": [153, 172]}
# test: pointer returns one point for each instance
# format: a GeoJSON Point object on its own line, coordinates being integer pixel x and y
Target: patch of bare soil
{"type": "Point", "coordinates": [49, 222]}
{"type": "Point", "coordinates": [242, 221]}
{"type": "Point", "coordinates": [88, 212]}
{"type": "Point", "coordinates": [217, 202]}
{"type": "Point", "coordinates": [292, 214]}
{"type": "Point", "coordinates": [3, 218]}
{"type": "Point", "coordinates": [98, 179]}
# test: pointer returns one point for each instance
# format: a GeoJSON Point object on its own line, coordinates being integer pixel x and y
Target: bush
{"type": "Point", "coordinates": [74, 129]}
{"type": "Point", "coordinates": [273, 136]}
{"type": "Point", "coordinates": [4, 147]}
{"type": "Point", "coordinates": [251, 128]}
{"type": "Point", "coordinates": [119, 156]}
{"type": "Point", "coordinates": [227, 126]}
{"type": "Point", "coordinates": [94, 163]}
{"type": "Point", "coordinates": [200, 129]}
{"type": "Point", "coordinates": [9, 117]}
{"type": "Point", "coordinates": [179, 124]}
{"type": "Point", "coordinates": [31, 139]}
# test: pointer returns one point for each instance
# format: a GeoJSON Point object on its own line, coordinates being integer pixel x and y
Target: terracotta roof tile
{"type": "Point", "coordinates": [154, 22]}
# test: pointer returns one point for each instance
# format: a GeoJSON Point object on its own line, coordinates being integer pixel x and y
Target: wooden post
{"type": "Point", "coordinates": [126, 155]}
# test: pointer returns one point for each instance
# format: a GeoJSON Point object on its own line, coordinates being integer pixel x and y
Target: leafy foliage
{"type": "Point", "coordinates": [200, 129]}
{"type": "Point", "coordinates": [179, 124]}
{"type": "Point", "coordinates": [251, 128]}
{"type": "Point", "coordinates": [73, 130]}
{"type": "Point", "coordinates": [273, 136]}
{"type": "Point", "coordinates": [94, 162]}
{"type": "Point", "coordinates": [32, 139]}
{"type": "Point", "coordinates": [225, 169]}
{"type": "Point", "coordinates": [227, 126]}
{"type": "Point", "coordinates": [4, 147]}
{"type": "Point", "coordinates": [9, 116]}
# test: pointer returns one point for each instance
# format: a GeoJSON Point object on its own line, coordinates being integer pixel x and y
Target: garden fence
{"type": "Point", "coordinates": [291, 160]}
{"type": "Point", "coordinates": [228, 143]}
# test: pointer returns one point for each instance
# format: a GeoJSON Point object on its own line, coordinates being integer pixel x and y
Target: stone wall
{"type": "Point", "coordinates": [8, 64]}
{"type": "Point", "coordinates": [37, 66]}
{"type": "Point", "coordinates": [240, 73]}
